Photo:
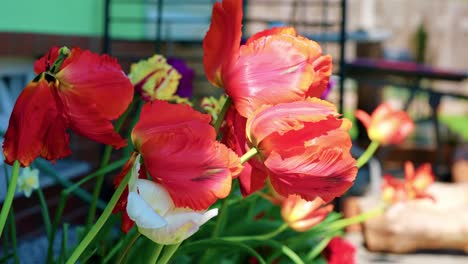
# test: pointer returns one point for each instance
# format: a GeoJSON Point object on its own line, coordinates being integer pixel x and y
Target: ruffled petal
{"type": "Point", "coordinates": [275, 69]}
{"type": "Point", "coordinates": [36, 126]}
{"type": "Point", "coordinates": [86, 120]}
{"type": "Point", "coordinates": [160, 116]}
{"type": "Point", "coordinates": [272, 31]}
{"type": "Point", "coordinates": [323, 70]}
{"type": "Point", "coordinates": [324, 169]}
{"type": "Point", "coordinates": [142, 214]}
{"type": "Point", "coordinates": [195, 170]}
{"type": "Point", "coordinates": [221, 43]}
{"type": "Point", "coordinates": [98, 80]}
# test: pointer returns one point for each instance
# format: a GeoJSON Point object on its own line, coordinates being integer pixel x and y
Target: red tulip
{"type": "Point", "coordinates": [302, 215]}
{"type": "Point", "coordinates": [386, 125]}
{"type": "Point", "coordinates": [84, 94]}
{"type": "Point", "coordinates": [340, 251]}
{"type": "Point", "coordinates": [274, 66]}
{"type": "Point", "coordinates": [304, 149]}
{"type": "Point", "coordinates": [180, 152]}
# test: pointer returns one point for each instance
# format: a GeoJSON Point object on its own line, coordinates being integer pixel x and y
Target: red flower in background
{"type": "Point", "coordinates": [180, 152]}
{"type": "Point", "coordinates": [414, 185]}
{"type": "Point", "coordinates": [274, 66]}
{"type": "Point", "coordinates": [340, 251]}
{"type": "Point", "coordinates": [386, 125]}
{"type": "Point", "coordinates": [84, 94]}
{"type": "Point", "coordinates": [304, 149]}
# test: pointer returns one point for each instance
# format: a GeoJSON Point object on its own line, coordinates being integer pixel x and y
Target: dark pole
{"type": "Point", "coordinates": [159, 27]}
{"type": "Point", "coordinates": [106, 39]}
{"type": "Point", "coordinates": [342, 55]}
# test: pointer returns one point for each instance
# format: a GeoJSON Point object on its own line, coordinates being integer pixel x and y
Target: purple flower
{"type": "Point", "coordinates": [185, 88]}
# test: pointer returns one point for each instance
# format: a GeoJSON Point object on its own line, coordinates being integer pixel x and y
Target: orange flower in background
{"type": "Point", "coordinates": [304, 149]}
{"type": "Point", "coordinates": [73, 96]}
{"type": "Point", "coordinates": [386, 125]}
{"type": "Point", "coordinates": [180, 152]}
{"type": "Point", "coordinates": [414, 186]}
{"type": "Point", "coordinates": [302, 215]}
{"type": "Point", "coordinates": [274, 66]}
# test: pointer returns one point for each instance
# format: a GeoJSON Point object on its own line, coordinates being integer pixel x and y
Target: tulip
{"type": "Point", "coordinates": [386, 125]}
{"type": "Point", "coordinates": [340, 251]}
{"type": "Point", "coordinates": [150, 206]}
{"type": "Point", "coordinates": [302, 215]}
{"type": "Point", "coordinates": [304, 149]}
{"type": "Point", "coordinates": [180, 152]}
{"type": "Point", "coordinates": [274, 66]}
{"type": "Point", "coordinates": [71, 91]}
{"type": "Point", "coordinates": [154, 78]}
{"type": "Point", "coordinates": [414, 186]}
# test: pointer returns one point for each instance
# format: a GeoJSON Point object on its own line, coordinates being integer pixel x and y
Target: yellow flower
{"type": "Point", "coordinates": [154, 78]}
{"type": "Point", "coordinates": [28, 181]}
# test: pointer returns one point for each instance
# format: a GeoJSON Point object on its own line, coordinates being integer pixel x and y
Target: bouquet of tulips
{"type": "Point", "coordinates": [247, 180]}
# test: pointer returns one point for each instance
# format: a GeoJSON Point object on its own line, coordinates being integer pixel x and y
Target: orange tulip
{"type": "Point", "coordinates": [386, 125]}
{"type": "Point", "coordinates": [304, 149]}
{"type": "Point", "coordinates": [414, 186]}
{"type": "Point", "coordinates": [274, 66]}
{"type": "Point", "coordinates": [302, 215]}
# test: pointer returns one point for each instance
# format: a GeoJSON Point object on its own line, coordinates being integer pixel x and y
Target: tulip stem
{"type": "Point", "coordinates": [222, 114]}
{"type": "Point", "coordinates": [319, 247]}
{"type": "Point", "coordinates": [248, 155]}
{"type": "Point", "coordinates": [157, 251]}
{"type": "Point", "coordinates": [100, 222]}
{"type": "Point", "coordinates": [105, 160]}
{"type": "Point", "coordinates": [342, 223]}
{"type": "Point", "coordinates": [365, 157]}
{"type": "Point", "coordinates": [168, 253]}
{"type": "Point", "coordinates": [9, 196]}
{"type": "Point", "coordinates": [266, 236]}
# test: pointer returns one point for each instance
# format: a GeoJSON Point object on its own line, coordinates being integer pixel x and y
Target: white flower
{"type": "Point", "coordinates": [28, 181]}
{"type": "Point", "coordinates": [150, 206]}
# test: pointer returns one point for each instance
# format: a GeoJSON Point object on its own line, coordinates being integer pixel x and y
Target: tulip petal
{"type": "Point", "coordinates": [86, 120]}
{"type": "Point", "coordinates": [142, 214]}
{"type": "Point", "coordinates": [363, 117]}
{"type": "Point", "coordinates": [181, 225]}
{"type": "Point", "coordinates": [45, 62]}
{"type": "Point", "coordinates": [98, 80]}
{"type": "Point", "coordinates": [272, 31]}
{"type": "Point", "coordinates": [195, 170]}
{"type": "Point", "coordinates": [36, 127]}
{"type": "Point", "coordinates": [325, 170]}
{"type": "Point", "coordinates": [160, 116]}
{"type": "Point", "coordinates": [222, 40]}
{"type": "Point", "coordinates": [155, 195]}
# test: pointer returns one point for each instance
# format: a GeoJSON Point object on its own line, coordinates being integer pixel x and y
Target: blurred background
{"type": "Point", "coordinates": [411, 53]}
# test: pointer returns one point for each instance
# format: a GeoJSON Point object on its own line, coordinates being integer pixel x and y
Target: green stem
{"type": "Point", "coordinates": [222, 114]}
{"type": "Point", "coordinates": [100, 222]}
{"type": "Point", "coordinates": [340, 224]}
{"type": "Point", "coordinates": [365, 157]}
{"type": "Point", "coordinates": [168, 253]}
{"type": "Point", "coordinates": [63, 253]}
{"type": "Point", "coordinates": [98, 187]}
{"type": "Point", "coordinates": [13, 236]}
{"type": "Point", "coordinates": [248, 155]}
{"type": "Point", "coordinates": [157, 251]}
{"type": "Point", "coordinates": [63, 55]}
{"type": "Point", "coordinates": [319, 248]}
{"type": "Point", "coordinates": [132, 241]}
{"type": "Point", "coordinates": [44, 212]}
{"type": "Point", "coordinates": [105, 160]}
{"type": "Point", "coordinates": [9, 196]}
{"type": "Point", "coordinates": [266, 236]}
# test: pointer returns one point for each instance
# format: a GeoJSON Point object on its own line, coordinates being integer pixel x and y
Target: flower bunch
{"type": "Point", "coordinates": [270, 136]}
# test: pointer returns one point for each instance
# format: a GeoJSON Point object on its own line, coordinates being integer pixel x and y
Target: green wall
{"type": "Point", "coordinates": [68, 17]}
